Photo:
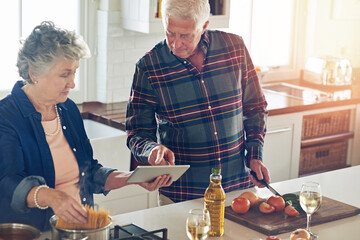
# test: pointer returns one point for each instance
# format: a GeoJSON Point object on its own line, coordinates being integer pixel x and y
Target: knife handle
{"type": "Point", "coordinates": [261, 181]}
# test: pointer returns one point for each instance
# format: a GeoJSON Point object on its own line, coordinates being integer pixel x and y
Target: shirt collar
{"type": "Point", "coordinates": [25, 106]}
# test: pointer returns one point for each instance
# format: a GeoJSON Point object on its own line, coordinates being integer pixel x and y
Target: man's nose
{"type": "Point", "coordinates": [177, 43]}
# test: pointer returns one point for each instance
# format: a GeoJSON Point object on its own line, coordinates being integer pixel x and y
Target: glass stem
{"type": "Point", "coordinates": [308, 219]}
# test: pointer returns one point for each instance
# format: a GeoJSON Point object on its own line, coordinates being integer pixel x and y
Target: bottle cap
{"type": "Point", "coordinates": [216, 171]}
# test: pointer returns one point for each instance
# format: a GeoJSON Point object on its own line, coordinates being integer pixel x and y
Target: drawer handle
{"type": "Point", "coordinates": [279, 130]}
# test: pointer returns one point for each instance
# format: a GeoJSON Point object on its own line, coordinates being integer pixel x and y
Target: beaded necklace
{"type": "Point", "coordinates": [58, 124]}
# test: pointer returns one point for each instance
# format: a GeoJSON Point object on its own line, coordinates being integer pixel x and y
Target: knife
{"type": "Point", "coordinates": [265, 183]}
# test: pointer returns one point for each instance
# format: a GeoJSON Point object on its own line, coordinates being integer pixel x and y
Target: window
{"type": "Point", "coordinates": [268, 29]}
{"type": "Point", "coordinates": [22, 17]}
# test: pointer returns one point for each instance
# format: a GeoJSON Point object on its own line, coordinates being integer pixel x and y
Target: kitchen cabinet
{"type": "Point", "coordinates": [109, 148]}
{"type": "Point", "coordinates": [144, 15]}
{"type": "Point", "coordinates": [281, 146]}
{"type": "Point", "coordinates": [324, 141]}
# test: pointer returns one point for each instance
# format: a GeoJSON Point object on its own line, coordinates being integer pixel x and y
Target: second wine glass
{"type": "Point", "coordinates": [198, 224]}
{"type": "Point", "coordinates": [310, 201]}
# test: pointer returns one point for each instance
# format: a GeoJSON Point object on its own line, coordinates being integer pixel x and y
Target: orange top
{"type": "Point", "coordinates": [66, 166]}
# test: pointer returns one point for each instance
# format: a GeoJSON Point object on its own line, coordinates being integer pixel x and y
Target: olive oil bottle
{"type": "Point", "coordinates": [215, 203]}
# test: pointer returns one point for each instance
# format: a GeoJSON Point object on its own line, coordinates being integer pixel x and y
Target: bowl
{"type": "Point", "coordinates": [18, 231]}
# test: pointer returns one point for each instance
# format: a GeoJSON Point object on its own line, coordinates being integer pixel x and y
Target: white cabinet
{"type": "Point", "coordinates": [142, 16]}
{"type": "Point", "coordinates": [109, 147]}
{"type": "Point", "coordinates": [281, 146]}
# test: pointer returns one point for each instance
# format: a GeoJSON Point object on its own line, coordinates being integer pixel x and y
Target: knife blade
{"type": "Point", "coordinates": [265, 183]}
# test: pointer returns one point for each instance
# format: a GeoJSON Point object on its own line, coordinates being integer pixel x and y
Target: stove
{"type": "Point", "coordinates": [132, 232]}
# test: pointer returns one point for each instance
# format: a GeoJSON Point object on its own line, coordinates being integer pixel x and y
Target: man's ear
{"type": "Point", "coordinates": [205, 26]}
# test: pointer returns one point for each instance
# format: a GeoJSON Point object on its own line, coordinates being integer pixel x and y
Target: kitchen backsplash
{"type": "Point", "coordinates": [117, 52]}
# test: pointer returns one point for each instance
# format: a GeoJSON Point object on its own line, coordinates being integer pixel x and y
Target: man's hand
{"type": "Point", "coordinates": [161, 155]}
{"type": "Point", "coordinates": [261, 172]}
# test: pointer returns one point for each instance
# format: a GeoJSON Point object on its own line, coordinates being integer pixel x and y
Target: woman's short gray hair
{"type": "Point", "coordinates": [197, 10]}
{"type": "Point", "coordinates": [45, 45]}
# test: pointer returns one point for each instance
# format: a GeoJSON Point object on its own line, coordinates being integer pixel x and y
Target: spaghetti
{"type": "Point", "coordinates": [96, 220]}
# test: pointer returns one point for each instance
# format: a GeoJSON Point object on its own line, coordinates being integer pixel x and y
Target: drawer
{"type": "Point", "coordinates": [323, 157]}
{"type": "Point", "coordinates": [325, 124]}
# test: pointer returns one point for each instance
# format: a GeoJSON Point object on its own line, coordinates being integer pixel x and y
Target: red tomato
{"type": "Point", "coordinates": [272, 238]}
{"type": "Point", "coordinates": [240, 205]}
{"type": "Point", "coordinates": [266, 208]}
{"type": "Point", "coordinates": [277, 202]}
{"type": "Point", "coordinates": [291, 211]}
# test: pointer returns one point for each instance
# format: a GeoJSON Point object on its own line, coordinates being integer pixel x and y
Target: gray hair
{"type": "Point", "coordinates": [197, 10]}
{"type": "Point", "coordinates": [45, 45]}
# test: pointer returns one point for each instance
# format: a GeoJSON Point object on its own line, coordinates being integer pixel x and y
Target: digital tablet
{"type": "Point", "coordinates": [148, 173]}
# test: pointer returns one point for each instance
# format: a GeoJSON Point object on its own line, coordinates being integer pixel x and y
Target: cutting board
{"type": "Point", "coordinates": [278, 222]}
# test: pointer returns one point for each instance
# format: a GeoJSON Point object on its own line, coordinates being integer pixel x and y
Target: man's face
{"type": "Point", "coordinates": [182, 36]}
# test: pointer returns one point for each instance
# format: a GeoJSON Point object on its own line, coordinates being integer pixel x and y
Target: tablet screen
{"type": "Point", "coordinates": [148, 173]}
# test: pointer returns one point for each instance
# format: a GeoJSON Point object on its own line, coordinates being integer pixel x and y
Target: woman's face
{"type": "Point", "coordinates": [56, 84]}
{"type": "Point", "coordinates": [182, 36]}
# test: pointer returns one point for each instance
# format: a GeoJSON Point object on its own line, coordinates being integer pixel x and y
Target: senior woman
{"type": "Point", "coordinates": [46, 160]}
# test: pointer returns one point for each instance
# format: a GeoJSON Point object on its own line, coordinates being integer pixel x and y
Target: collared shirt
{"type": "Point", "coordinates": [26, 161]}
{"type": "Point", "coordinates": [208, 119]}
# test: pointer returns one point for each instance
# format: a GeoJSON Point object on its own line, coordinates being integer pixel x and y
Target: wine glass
{"type": "Point", "coordinates": [310, 201]}
{"type": "Point", "coordinates": [198, 224]}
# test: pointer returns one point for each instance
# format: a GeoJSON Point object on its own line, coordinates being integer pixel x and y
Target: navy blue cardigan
{"type": "Point", "coordinates": [26, 161]}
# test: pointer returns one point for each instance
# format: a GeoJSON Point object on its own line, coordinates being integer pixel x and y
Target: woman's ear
{"type": "Point", "coordinates": [32, 77]}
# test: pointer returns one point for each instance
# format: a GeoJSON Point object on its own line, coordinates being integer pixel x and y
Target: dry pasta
{"type": "Point", "coordinates": [95, 220]}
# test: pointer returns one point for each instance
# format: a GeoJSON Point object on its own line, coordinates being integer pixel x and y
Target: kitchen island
{"type": "Point", "coordinates": [341, 185]}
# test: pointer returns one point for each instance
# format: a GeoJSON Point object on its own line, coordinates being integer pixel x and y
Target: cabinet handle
{"type": "Point", "coordinates": [279, 130]}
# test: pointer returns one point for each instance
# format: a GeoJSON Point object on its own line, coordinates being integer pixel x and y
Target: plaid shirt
{"type": "Point", "coordinates": [206, 118]}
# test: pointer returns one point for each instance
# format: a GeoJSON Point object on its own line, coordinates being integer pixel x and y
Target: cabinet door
{"type": "Point", "coordinates": [143, 15]}
{"type": "Point", "coordinates": [277, 152]}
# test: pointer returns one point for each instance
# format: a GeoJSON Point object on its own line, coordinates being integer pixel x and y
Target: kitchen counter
{"type": "Point", "coordinates": [341, 185]}
{"type": "Point", "coordinates": [113, 114]}
{"type": "Point", "coordinates": [339, 96]}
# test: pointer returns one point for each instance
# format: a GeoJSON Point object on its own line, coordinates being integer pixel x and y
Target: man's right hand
{"type": "Point", "coordinates": [161, 155]}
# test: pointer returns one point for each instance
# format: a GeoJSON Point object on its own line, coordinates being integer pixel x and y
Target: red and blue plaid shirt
{"type": "Point", "coordinates": [211, 118]}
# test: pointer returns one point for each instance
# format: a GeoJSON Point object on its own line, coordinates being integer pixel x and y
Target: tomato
{"type": "Point", "coordinates": [264, 207]}
{"type": "Point", "coordinates": [291, 211]}
{"type": "Point", "coordinates": [277, 202]}
{"type": "Point", "coordinates": [240, 205]}
{"type": "Point", "coordinates": [252, 198]}
{"type": "Point", "coordinates": [272, 238]}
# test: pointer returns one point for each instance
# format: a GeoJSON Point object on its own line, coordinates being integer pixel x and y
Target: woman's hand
{"type": "Point", "coordinates": [63, 205]}
{"type": "Point", "coordinates": [160, 181]}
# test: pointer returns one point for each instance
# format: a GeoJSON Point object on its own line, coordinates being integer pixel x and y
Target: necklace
{"type": "Point", "coordinates": [58, 124]}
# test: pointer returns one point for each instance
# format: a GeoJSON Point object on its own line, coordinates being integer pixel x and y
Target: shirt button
{"type": "Point", "coordinates": [82, 174]}
{"type": "Point", "coordinates": [209, 107]}
{"type": "Point", "coordinates": [219, 159]}
{"type": "Point", "coordinates": [84, 199]}
{"type": "Point", "coordinates": [64, 127]}
{"type": "Point", "coordinates": [202, 81]}
{"type": "Point", "coordinates": [74, 149]}
{"type": "Point", "coordinates": [184, 62]}
{"type": "Point", "coordinates": [215, 133]}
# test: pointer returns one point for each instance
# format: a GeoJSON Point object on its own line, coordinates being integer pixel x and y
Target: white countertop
{"type": "Point", "coordinates": [342, 185]}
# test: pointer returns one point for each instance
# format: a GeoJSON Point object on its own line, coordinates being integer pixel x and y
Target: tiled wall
{"type": "Point", "coordinates": [117, 52]}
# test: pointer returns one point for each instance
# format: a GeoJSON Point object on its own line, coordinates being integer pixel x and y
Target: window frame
{"type": "Point", "coordinates": [87, 18]}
